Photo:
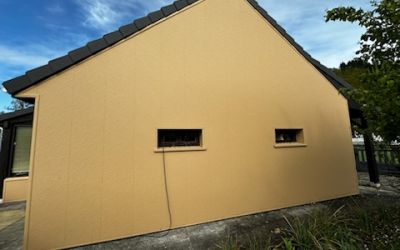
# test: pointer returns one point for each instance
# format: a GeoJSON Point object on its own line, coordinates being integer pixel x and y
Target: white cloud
{"type": "Point", "coordinates": [105, 15]}
{"type": "Point", "coordinates": [332, 42]}
{"type": "Point", "coordinates": [17, 56]}
{"type": "Point", "coordinates": [30, 54]}
{"type": "Point", "coordinates": [27, 57]}
{"type": "Point", "coordinates": [100, 14]}
{"type": "Point", "coordinates": [55, 9]}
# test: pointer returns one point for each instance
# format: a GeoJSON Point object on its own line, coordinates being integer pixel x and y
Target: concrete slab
{"type": "Point", "coordinates": [12, 225]}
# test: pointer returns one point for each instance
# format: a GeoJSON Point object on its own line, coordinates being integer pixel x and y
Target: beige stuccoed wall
{"type": "Point", "coordinates": [15, 189]}
{"type": "Point", "coordinates": [217, 66]}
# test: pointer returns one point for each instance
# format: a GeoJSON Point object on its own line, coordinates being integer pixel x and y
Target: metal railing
{"type": "Point", "coordinates": [387, 160]}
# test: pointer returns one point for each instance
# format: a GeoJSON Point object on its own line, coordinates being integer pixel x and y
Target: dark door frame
{"type": "Point", "coordinates": [12, 149]}
{"type": "Point", "coordinates": [9, 122]}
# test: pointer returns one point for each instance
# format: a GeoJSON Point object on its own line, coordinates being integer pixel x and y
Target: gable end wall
{"type": "Point", "coordinates": [96, 175]}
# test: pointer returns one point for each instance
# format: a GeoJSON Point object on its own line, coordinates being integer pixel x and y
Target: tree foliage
{"type": "Point", "coordinates": [378, 92]}
{"type": "Point", "coordinates": [353, 71]}
{"type": "Point", "coordinates": [380, 42]}
{"type": "Point", "coordinates": [17, 105]}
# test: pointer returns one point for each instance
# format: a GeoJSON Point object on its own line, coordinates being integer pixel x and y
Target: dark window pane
{"type": "Point", "coordinates": [22, 146]}
{"type": "Point", "coordinates": [288, 135]}
{"type": "Point", "coordinates": [179, 137]}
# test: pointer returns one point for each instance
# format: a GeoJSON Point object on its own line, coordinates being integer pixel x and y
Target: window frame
{"type": "Point", "coordinates": [12, 151]}
{"type": "Point", "coordinates": [300, 138]}
{"type": "Point", "coordinates": [201, 147]}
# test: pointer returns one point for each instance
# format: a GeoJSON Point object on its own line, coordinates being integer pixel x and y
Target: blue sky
{"type": "Point", "coordinates": [36, 31]}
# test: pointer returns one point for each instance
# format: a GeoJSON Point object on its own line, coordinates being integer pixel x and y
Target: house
{"type": "Point", "coordinates": [201, 111]}
{"type": "Point", "coordinates": [16, 132]}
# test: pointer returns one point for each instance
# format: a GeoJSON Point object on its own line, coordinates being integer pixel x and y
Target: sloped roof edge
{"type": "Point", "coordinates": [332, 77]}
{"type": "Point", "coordinates": [34, 76]}
{"type": "Point", "coordinates": [73, 57]}
{"type": "Point", "coordinates": [22, 112]}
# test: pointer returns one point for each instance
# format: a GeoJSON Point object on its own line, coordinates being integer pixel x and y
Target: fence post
{"type": "Point", "coordinates": [371, 161]}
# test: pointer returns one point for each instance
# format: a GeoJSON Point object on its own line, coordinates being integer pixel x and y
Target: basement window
{"type": "Point", "coordinates": [289, 137]}
{"type": "Point", "coordinates": [168, 138]}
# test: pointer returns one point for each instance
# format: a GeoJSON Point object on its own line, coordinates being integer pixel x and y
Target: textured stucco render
{"type": "Point", "coordinates": [15, 189]}
{"type": "Point", "coordinates": [216, 66]}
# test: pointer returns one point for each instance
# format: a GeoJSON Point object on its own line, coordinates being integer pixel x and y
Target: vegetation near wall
{"type": "Point", "coordinates": [375, 74]}
{"type": "Point", "coordinates": [369, 222]}
{"type": "Point", "coordinates": [16, 105]}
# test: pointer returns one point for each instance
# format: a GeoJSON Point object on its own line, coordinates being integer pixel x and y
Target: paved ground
{"type": "Point", "coordinates": [389, 185]}
{"type": "Point", "coordinates": [12, 225]}
{"type": "Point", "coordinates": [205, 236]}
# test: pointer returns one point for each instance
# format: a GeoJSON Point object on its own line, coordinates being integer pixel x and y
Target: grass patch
{"type": "Point", "coordinates": [251, 242]}
{"type": "Point", "coordinates": [369, 225]}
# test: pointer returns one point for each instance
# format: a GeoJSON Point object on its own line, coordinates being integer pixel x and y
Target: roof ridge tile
{"type": "Point", "coordinates": [79, 54]}
{"type": "Point", "coordinates": [60, 63]}
{"type": "Point", "coordinates": [128, 30]}
{"type": "Point", "coordinates": [168, 10]}
{"type": "Point", "coordinates": [156, 16]}
{"type": "Point", "coordinates": [17, 84]}
{"type": "Point", "coordinates": [180, 4]}
{"type": "Point", "coordinates": [39, 73]}
{"type": "Point", "coordinates": [142, 22]}
{"type": "Point", "coordinates": [97, 45]}
{"type": "Point", "coordinates": [113, 37]}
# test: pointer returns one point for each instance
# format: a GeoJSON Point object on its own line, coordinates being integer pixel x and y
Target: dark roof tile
{"type": "Point", "coordinates": [191, 1]}
{"type": "Point", "coordinates": [113, 37]}
{"type": "Point", "coordinates": [97, 45]}
{"type": "Point", "coordinates": [17, 84]}
{"type": "Point", "coordinates": [128, 29]}
{"type": "Point", "coordinates": [253, 3]}
{"type": "Point", "coordinates": [60, 63]}
{"type": "Point", "coordinates": [79, 54]}
{"type": "Point", "coordinates": [262, 11]}
{"type": "Point", "coordinates": [156, 16]}
{"type": "Point", "coordinates": [168, 10]}
{"type": "Point", "coordinates": [39, 73]}
{"type": "Point", "coordinates": [141, 23]}
{"type": "Point", "coordinates": [180, 4]}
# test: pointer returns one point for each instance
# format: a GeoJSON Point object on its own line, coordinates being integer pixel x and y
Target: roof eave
{"type": "Point", "coordinates": [18, 113]}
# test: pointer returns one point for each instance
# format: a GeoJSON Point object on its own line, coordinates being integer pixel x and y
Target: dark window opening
{"type": "Point", "coordinates": [179, 137]}
{"type": "Point", "coordinates": [21, 152]}
{"type": "Point", "coordinates": [289, 135]}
